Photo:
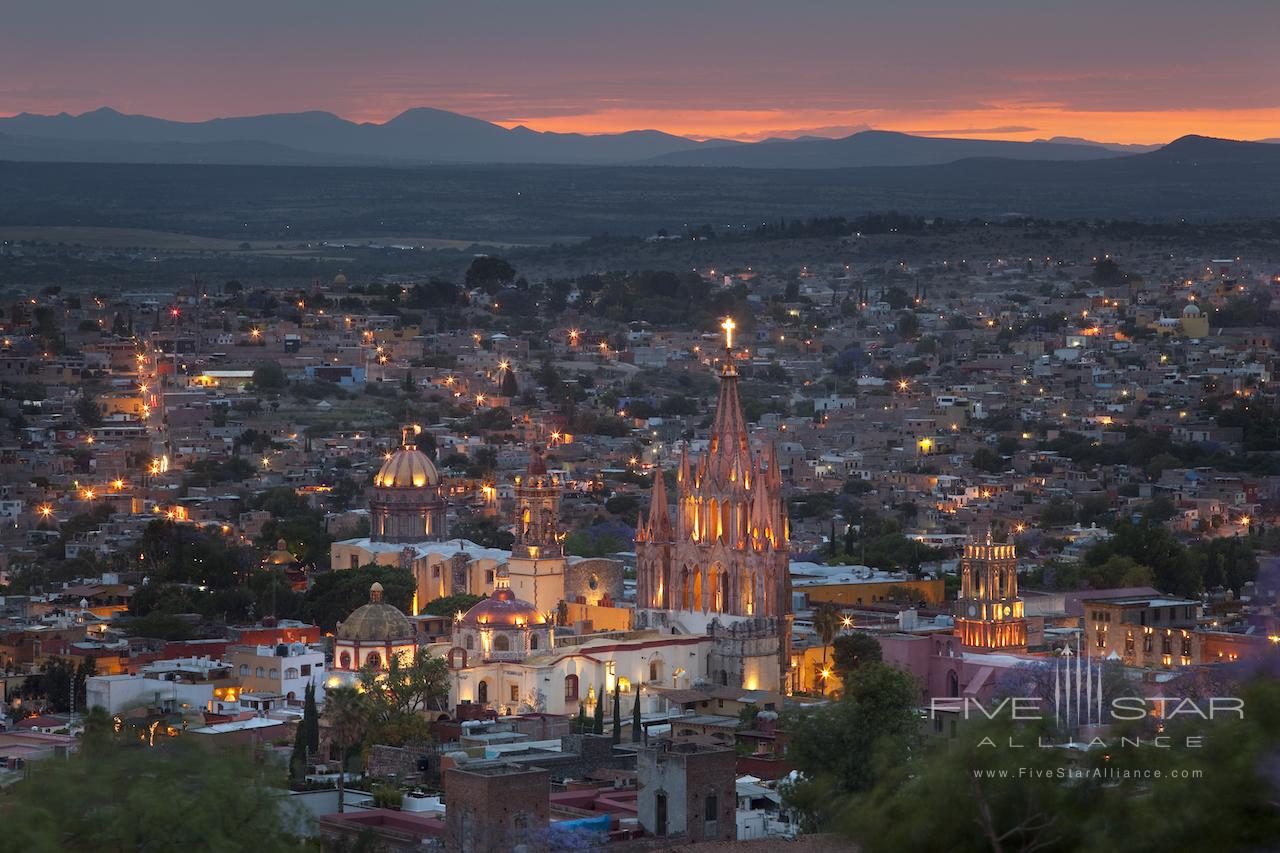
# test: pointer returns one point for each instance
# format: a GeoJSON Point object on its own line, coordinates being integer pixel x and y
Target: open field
{"type": "Point", "coordinates": [168, 241]}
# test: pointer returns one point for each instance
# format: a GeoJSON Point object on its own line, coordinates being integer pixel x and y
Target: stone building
{"type": "Point", "coordinates": [724, 556]}
{"type": "Point", "coordinates": [687, 789]}
{"type": "Point", "coordinates": [408, 502]}
{"type": "Point", "coordinates": [989, 612]}
{"type": "Point", "coordinates": [371, 635]}
{"type": "Point", "coordinates": [495, 807]}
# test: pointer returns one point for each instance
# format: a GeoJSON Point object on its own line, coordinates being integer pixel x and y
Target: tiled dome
{"type": "Point", "coordinates": [503, 610]}
{"type": "Point", "coordinates": [408, 468]}
{"type": "Point", "coordinates": [375, 621]}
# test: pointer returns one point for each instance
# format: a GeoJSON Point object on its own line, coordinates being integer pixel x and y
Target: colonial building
{"type": "Point", "coordinates": [537, 565]}
{"type": "Point", "coordinates": [719, 565]}
{"type": "Point", "coordinates": [408, 502]}
{"type": "Point", "coordinates": [989, 612]}
{"type": "Point", "coordinates": [372, 635]}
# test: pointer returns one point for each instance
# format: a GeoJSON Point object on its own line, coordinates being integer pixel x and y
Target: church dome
{"type": "Point", "coordinates": [503, 610]}
{"type": "Point", "coordinates": [339, 279]}
{"type": "Point", "coordinates": [408, 468]}
{"type": "Point", "coordinates": [280, 556]}
{"type": "Point", "coordinates": [1192, 310]}
{"type": "Point", "coordinates": [376, 621]}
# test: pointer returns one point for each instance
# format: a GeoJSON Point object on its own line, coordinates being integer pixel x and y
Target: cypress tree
{"type": "Point", "coordinates": [617, 714]}
{"type": "Point", "coordinates": [582, 719]}
{"type": "Point", "coordinates": [635, 719]}
{"type": "Point", "coordinates": [311, 721]}
{"type": "Point", "coordinates": [598, 721]}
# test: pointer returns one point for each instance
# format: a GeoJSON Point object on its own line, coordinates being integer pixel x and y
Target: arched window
{"type": "Point", "coordinates": [502, 643]}
{"type": "Point", "coordinates": [953, 684]}
{"type": "Point", "coordinates": [291, 672]}
{"type": "Point", "coordinates": [469, 642]}
{"type": "Point", "coordinates": [533, 641]}
{"type": "Point", "coordinates": [374, 659]}
{"type": "Point", "coordinates": [244, 669]}
{"type": "Point", "coordinates": [274, 673]}
{"type": "Point", "coordinates": [258, 672]}
{"type": "Point", "coordinates": [482, 693]}
{"type": "Point", "coordinates": [570, 688]}
{"type": "Point", "coordinates": [344, 660]}
{"type": "Point", "coordinates": [624, 685]}
{"type": "Point", "coordinates": [655, 670]}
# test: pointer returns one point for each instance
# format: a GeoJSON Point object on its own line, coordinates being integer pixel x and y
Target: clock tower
{"type": "Point", "coordinates": [989, 614]}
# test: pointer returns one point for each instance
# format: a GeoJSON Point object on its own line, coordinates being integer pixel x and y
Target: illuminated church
{"type": "Point", "coordinates": [719, 562]}
{"type": "Point", "coordinates": [989, 612]}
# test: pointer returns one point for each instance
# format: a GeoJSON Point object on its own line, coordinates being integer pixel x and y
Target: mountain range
{"type": "Point", "coordinates": [429, 136]}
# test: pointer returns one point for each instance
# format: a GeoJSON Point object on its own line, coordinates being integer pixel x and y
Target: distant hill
{"type": "Point", "coordinates": [1192, 150]}
{"type": "Point", "coordinates": [875, 148]}
{"type": "Point", "coordinates": [1123, 147]}
{"type": "Point", "coordinates": [416, 136]}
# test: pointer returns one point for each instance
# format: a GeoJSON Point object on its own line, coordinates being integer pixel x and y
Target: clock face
{"type": "Point", "coordinates": [973, 610]}
{"type": "Point", "coordinates": [1008, 611]}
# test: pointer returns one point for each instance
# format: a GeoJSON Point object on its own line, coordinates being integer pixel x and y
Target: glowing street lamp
{"type": "Point", "coordinates": [46, 510]}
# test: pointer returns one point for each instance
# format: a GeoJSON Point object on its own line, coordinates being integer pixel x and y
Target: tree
{"type": "Point", "coordinates": [88, 412]}
{"type": "Point", "coordinates": [635, 718]}
{"type": "Point", "coordinates": [405, 690]}
{"type": "Point", "coordinates": [269, 376]}
{"type": "Point", "coordinates": [345, 712]}
{"type": "Point", "coordinates": [597, 723]}
{"type": "Point", "coordinates": [311, 721]}
{"type": "Point", "coordinates": [490, 274]}
{"type": "Point", "coordinates": [826, 622]}
{"type": "Point", "coordinates": [448, 605]}
{"type": "Point", "coordinates": [851, 651]}
{"type": "Point", "coordinates": [617, 714]}
{"type": "Point", "coordinates": [843, 747]}
{"type": "Point", "coordinates": [119, 794]}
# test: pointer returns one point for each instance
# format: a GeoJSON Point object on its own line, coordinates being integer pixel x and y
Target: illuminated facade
{"type": "Point", "coordinates": [408, 502]}
{"type": "Point", "coordinates": [723, 556]}
{"type": "Point", "coordinates": [372, 635]}
{"type": "Point", "coordinates": [537, 566]}
{"type": "Point", "coordinates": [989, 613]}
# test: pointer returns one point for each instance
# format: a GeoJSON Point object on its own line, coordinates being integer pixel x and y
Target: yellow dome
{"type": "Point", "coordinates": [281, 555]}
{"type": "Point", "coordinates": [376, 621]}
{"type": "Point", "coordinates": [408, 468]}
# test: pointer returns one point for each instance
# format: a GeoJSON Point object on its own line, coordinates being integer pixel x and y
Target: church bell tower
{"type": "Point", "coordinates": [989, 613]}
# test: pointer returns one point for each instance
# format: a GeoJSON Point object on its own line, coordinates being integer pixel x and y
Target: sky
{"type": "Point", "coordinates": [1143, 71]}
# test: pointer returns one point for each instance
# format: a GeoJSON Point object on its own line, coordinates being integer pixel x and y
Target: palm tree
{"type": "Point", "coordinates": [345, 712]}
{"type": "Point", "coordinates": [826, 621]}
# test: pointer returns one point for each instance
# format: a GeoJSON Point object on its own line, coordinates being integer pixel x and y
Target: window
{"type": "Point", "coordinates": [1166, 645]}
{"type": "Point", "coordinates": [570, 688]}
{"type": "Point", "coordinates": [469, 642]}
{"type": "Point", "coordinates": [258, 672]}
{"type": "Point", "coordinates": [374, 659]}
{"type": "Point", "coordinates": [306, 669]}
{"type": "Point", "coordinates": [244, 669]}
{"type": "Point", "coordinates": [515, 693]}
{"type": "Point", "coordinates": [655, 673]}
{"type": "Point", "coordinates": [291, 672]}
{"type": "Point", "coordinates": [533, 641]}
{"type": "Point", "coordinates": [274, 673]}
{"type": "Point", "coordinates": [1128, 643]}
{"type": "Point", "coordinates": [488, 576]}
{"type": "Point", "coordinates": [502, 643]}
{"type": "Point", "coordinates": [344, 660]}
{"type": "Point", "coordinates": [709, 814]}
{"type": "Point", "coordinates": [1146, 643]}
